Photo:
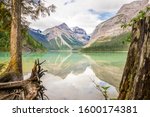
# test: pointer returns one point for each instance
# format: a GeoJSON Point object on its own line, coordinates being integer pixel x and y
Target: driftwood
{"type": "Point", "coordinates": [29, 89]}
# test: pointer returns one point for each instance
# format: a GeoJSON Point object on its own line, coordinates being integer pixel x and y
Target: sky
{"type": "Point", "coordinates": [86, 14]}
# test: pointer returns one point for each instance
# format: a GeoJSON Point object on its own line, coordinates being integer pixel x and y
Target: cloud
{"type": "Point", "coordinates": [106, 15]}
{"type": "Point", "coordinates": [69, 2]}
{"type": "Point", "coordinates": [102, 15]}
{"type": "Point", "coordinates": [86, 14]}
{"type": "Point", "coordinates": [84, 20]}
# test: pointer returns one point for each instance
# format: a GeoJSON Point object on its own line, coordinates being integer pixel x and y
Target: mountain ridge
{"type": "Point", "coordinates": [60, 37]}
{"type": "Point", "coordinates": [112, 26]}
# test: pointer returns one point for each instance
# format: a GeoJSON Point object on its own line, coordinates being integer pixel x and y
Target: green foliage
{"type": "Point", "coordinates": [56, 44]}
{"type": "Point", "coordinates": [5, 18]}
{"type": "Point", "coordinates": [32, 43]}
{"type": "Point", "coordinates": [105, 91]}
{"type": "Point", "coordinates": [117, 43]}
{"type": "Point", "coordinates": [5, 26]}
{"type": "Point", "coordinates": [27, 41]}
{"type": "Point", "coordinates": [105, 88]}
{"type": "Point", "coordinates": [29, 8]}
{"type": "Point", "coordinates": [5, 23]}
{"type": "Point", "coordinates": [4, 41]}
{"type": "Point", "coordinates": [102, 89]}
{"type": "Point", "coordinates": [140, 15]}
{"type": "Point", "coordinates": [34, 10]}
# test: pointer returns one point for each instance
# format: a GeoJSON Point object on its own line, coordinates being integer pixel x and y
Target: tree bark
{"type": "Point", "coordinates": [15, 64]}
{"type": "Point", "coordinates": [135, 82]}
{"type": "Point", "coordinates": [29, 89]}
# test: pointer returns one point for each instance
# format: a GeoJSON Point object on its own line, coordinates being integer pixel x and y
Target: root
{"type": "Point", "coordinates": [29, 89]}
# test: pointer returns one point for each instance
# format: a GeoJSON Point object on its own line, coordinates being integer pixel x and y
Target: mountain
{"type": "Point", "coordinates": [112, 27]}
{"type": "Point", "coordinates": [81, 34]}
{"type": "Point", "coordinates": [62, 38]}
{"type": "Point", "coordinates": [38, 36]}
{"type": "Point", "coordinates": [29, 43]}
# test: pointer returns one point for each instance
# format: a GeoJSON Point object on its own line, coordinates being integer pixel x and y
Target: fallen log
{"type": "Point", "coordinates": [30, 89]}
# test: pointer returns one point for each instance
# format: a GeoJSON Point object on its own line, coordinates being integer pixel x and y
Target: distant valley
{"type": "Point", "coordinates": [107, 36]}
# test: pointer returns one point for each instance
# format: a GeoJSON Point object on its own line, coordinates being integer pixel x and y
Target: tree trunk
{"type": "Point", "coordinates": [135, 82]}
{"type": "Point", "coordinates": [29, 89]}
{"type": "Point", "coordinates": [15, 64]}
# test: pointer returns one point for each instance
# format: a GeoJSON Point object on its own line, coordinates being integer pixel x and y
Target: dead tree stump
{"type": "Point", "coordinates": [30, 89]}
{"type": "Point", "coordinates": [135, 82]}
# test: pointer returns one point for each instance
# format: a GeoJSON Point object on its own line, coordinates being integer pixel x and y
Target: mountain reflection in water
{"type": "Point", "coordinates": [64, 66]}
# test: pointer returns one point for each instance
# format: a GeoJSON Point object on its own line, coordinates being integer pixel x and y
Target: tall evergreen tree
{"type": "Point", "coordinates": [15, 64]}
{"type": "Point", "coordinates": [19, 9]}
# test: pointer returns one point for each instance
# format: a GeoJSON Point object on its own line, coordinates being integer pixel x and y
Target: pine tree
{"type": "Point", "coordinates": [19, 9]}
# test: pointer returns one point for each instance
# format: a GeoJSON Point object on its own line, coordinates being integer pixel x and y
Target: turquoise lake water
{"type": "Point", "coordinates": [106, 66]}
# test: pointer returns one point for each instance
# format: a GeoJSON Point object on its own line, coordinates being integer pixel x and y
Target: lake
{"type": "Point", "coordinates": [75, 75]}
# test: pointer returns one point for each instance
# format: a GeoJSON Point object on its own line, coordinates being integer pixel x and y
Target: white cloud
{"type": "Point", "coordinates": [76, 13]}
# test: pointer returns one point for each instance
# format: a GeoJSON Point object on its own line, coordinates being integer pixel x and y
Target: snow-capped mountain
{"type": "Point", "coordinates": [38, 36]}
{"type": "Point", "coordinates": [81, 34]}
{"type": "Point", "coordinates": [61, 37]}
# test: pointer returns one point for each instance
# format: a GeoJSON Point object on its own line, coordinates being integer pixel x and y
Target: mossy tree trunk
{"type": "Point", "coordinates": [15, 64]}
{"type": "Point", "coordinates": [29, 89]}
{"type": "Point", "coordinates": [135, 84]}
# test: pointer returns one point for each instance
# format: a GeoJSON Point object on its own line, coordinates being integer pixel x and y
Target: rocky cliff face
{"type": "Point", "coordinates": [39, 37]}
{"type": "Point", "coordinates": [112, 27]}
{"type": "Point", "coordinates": [81, 34]}
{"type": "Point", "coordinates": [57, 31]}
{"type": "Point", "coordinates": [62, 38]}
